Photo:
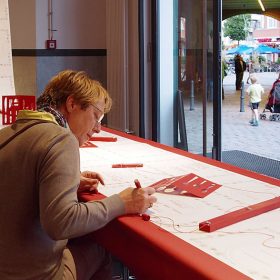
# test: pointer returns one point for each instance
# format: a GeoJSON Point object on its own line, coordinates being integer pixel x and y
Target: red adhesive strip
{"type": "Point", "coordinates": [239, 215]}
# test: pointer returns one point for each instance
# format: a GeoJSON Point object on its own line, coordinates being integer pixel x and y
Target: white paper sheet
{"type": "Point", "coordinates": [251, 246]}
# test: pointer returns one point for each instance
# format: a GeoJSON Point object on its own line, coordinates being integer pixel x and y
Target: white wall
{"type": "Point", "coordinates": [23, 24]}
{"type": "Point", "coordinates": [80, 24]}
{"type": "Point", "coordinates": [6, 65]}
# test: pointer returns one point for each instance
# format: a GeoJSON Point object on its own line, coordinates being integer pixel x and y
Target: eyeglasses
{"type": "Point", "coordinates": [98, 120]}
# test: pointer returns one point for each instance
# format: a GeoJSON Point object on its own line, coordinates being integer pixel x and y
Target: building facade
{"type": "Point", "coordinates": [266, 31]}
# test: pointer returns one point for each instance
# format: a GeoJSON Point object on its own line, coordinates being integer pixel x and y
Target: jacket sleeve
{"type": "Point", "coordinates": [61, 214]}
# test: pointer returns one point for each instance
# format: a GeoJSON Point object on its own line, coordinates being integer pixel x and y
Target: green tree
{"type": "Point", "coordinates": [237, 27]}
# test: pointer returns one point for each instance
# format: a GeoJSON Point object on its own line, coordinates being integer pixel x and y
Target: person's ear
{"type": "Point", "coordinates": [70, 104]}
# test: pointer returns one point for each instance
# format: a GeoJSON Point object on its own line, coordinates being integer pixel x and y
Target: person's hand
{"type": "Point", "coordinates": [138, 200]}
{"type": "Point", "coordinates": [89, 181]}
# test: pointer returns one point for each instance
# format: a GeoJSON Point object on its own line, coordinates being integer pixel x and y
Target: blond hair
{"type": "Point", "coordinates": [79, 85]}
{"type": "Point", "coordinates": [253, 79]}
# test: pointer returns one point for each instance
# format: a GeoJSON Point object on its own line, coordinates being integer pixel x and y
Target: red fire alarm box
{"type": "Point", "coordinates": [51, 44]}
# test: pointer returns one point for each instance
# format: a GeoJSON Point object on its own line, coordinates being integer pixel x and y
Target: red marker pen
{"type": "Point", "coordinates": [127, 165]}
{"type": "Point", "coordinates": [137, 184]}
{"type": "Point", "coordinates": [103, 138]}
{"type": "Point", "coordinates": [144, 216]}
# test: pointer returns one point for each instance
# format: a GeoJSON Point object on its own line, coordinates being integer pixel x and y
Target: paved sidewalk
{"type": "Point", "coordinates": [237, 133]}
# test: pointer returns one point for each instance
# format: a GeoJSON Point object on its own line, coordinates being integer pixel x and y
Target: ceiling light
{"type": "Point", "coordinates": [261, 4]}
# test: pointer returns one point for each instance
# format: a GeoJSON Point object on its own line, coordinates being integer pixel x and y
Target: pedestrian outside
{"type": "Point", "coordinates": [240, 67]}
{"type": "Point", "coordinates": [255, 91]}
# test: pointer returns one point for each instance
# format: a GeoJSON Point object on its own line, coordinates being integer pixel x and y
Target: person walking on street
{"type": "Point", "coordinates": [240, 67]}
{"type": "Point", "coordinates": [255, 91]}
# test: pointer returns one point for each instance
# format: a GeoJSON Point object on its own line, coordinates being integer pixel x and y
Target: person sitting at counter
{"type": "Point", "coordinates": [43, 225]}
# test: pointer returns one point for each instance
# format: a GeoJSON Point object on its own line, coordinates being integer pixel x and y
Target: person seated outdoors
{"type": "Point", "coordinates": [43, 225]}
{"type": "Point", "coordinates": [273, 103]}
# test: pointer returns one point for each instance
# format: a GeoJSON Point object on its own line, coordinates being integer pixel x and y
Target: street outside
{"type": "Point", "coordinates": [237, 133]}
